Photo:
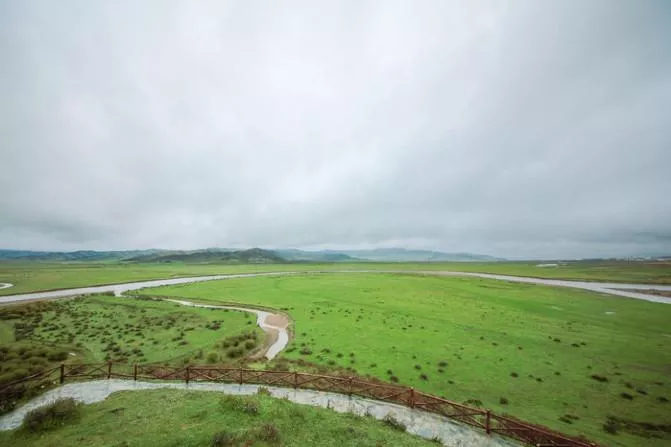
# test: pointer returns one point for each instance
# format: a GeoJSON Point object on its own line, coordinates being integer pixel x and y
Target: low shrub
{"type": "Point", "coordinates": [626, 396]}
{"type": "Point", "coordinates": [503, 401]}
{"type": "Point", "coordinates": [394, 423]}
{"type": "Point", "coordinates": [568, 418]}
{"type": "Point", "coordinates": [263, 391]}
{"type": "Point", "coordinates": [611, 426]}
{"type": "Point", "coordinates": [599, 378]}
{"type": "Point", "coordinates": [51, 416]}
{"type": "Point", "coordinates": [245, 404]}
{"type": "Point", "coordinates": [224, 439]}
{"type": "Point", "coordinates": [269, 433]}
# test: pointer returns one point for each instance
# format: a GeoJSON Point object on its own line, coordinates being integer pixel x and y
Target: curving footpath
{"type": "Point", "coordinates": [426, 425]}
{"type": "Point", "coordinates": [5, 285]}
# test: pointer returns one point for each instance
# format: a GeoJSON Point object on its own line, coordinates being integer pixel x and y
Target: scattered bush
{"type": "Point", "coordinates": [305, 351]}
{"type": "Point", "coordinates": [514, 374]}
{"type": "Point", "coordinates": [245, 404]}
{"type": "Point", "coordinates": [662, 399]}
{"type": "Point", "coordinates": [424, 377]}
{"type": "Point", "coordinates": [395, 379]}
{"type": "Point", "coordinates": [394, 423]}
{"type": "Point", "coordinates": [611, 426]}
{"type": "Point", "coordinates": [57, 356]}
{"type": "Point", "coordinates": [51, 416]}
{"type": "Point", "coordinates": [599, 378]}
{"type": "Point", "coordinates": [234, 353]}
{"type": "Point", "coordinates": [212, 357]}
{"type": "Point", "coordinates": [473, 402]}
{"type": "Point", "coordinates": [503, 401]}
{"type": "Point", "coordinates": [626, 396]}
{"type": "Point", "coordinates": [263, 391]}
{"type": "Point", "coordinates": [223, 439]}
{"type": "Point", "coordinates": [269, 433]}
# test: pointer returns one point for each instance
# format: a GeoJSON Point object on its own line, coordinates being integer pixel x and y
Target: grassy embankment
{"type": "Point", "coordinates": [564, 358]}
{"type": "Point", "coordinates": [190, 418]}
{"type": "Point", "coordinates": [29, 277]}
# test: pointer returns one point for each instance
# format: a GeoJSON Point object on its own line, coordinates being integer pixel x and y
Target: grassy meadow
{"type": "Point", "coordinates": [568, 359]}
{"type": "Point", "coordinates": [34, 276]}
{"type": "Point", "coordinates": [191, 418]}
{"type": "Point", "coordinates": [38, 336]}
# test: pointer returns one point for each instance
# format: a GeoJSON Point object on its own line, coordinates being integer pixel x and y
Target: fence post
{"type": "Point", "coordinates": [62, 373]}
{"type": "Point", "coordinates": [412, 398]}
{"type": "Point", "coordinates": [134, 371]}
{"type": "Point", "coordinates": [240, 374]}
{"type": "Point", "coordinates": [488, 422]}
{"type": "Point", "coordinates": [295, 379]}
{"type": "Point", "coordinates": [187, 374]}
{"type": "Point", "coordinates": [109, 369]}
{"type": "Point", "coordinates": [349, 386]}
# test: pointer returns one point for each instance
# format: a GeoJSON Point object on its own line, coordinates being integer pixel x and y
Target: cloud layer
{"type": "Point", "coordinates": [520, 129]}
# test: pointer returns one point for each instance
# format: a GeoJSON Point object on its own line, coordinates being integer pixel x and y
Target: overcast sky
{"type": "Point", "coordinates": [509, 128]}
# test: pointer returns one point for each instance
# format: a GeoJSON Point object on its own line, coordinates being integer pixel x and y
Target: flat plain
{"type": "Point", "coordinates": [579, 362]}
{"type": "Point", "coordinates": [36, 276]}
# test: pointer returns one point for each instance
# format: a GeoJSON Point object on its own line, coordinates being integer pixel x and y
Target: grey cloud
{"type": "Point", "coordinates": [521, 128]}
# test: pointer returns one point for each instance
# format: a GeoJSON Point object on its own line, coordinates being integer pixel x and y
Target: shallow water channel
{"type": "Point", "coordinates": [426, 425]}
{"type": "Point", "coordinates": [611, 288]}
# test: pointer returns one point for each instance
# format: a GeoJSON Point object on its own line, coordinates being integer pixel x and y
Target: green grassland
{"type": "Point", "coordinates": [38, 336]}
{"type": "Point", "coordinates": [191, 418]}
{"type": "Point", "coordinates": [34, 276]}
{"type": "Point", "coordinates": [560, 357]}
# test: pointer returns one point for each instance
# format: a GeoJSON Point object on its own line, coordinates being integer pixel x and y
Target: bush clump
{"type": "Point", "coordinates": [269, 433]}
{"type": "Point", "coordinates": [599, 378]}
{"type": "Point", "coordinates": [223, 439]}
{"type": "Point", "coordinates": [245, 404]}
{"type": "Point", "coordinates": [51, 416]}
{"type": "Point", "coordinates": [263, 391]}
{"type": "Point", "coordinates": [611, 426]}
{"type": "Point", "coordinates": [394, 423]}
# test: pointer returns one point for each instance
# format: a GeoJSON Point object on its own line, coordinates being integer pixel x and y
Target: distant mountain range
{"type": "Point", "coordinates": [250, 256]}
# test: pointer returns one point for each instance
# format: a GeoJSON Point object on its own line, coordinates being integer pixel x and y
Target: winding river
{"type": "Point", "coordinates": [611, 288]}
{"type": "Point", "coordinates": [423, 424]}
{"type": "Point", "coordinates": [279, 332]}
